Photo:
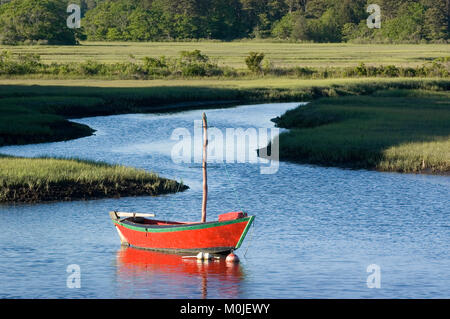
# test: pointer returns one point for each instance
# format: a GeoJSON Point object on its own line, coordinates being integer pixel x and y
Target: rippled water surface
{"type": "Point", "coordinates": [316, 231]}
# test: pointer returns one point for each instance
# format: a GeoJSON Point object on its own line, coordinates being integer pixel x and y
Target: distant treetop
{"type": "Point", "coordinates": [35, 21]}
{"type": "Point", "coordinates": [44, 21]}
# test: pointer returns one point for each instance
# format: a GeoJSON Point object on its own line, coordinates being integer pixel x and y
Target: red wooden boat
{"type": "Point", "coordinates": [221, 236]}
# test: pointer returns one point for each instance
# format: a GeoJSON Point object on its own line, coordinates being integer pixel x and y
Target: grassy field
{"type": "Point", "coordinates": [389, 130]}
{"type": "Point", "coordinates": [46, 179]}
{"type": "Point", "coordinates": [233, 53]}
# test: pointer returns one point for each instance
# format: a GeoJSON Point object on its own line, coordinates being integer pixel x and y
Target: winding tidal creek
{"type": "Point", "coordinates": [317, 234]}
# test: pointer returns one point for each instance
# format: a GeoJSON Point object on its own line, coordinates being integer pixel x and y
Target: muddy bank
{"type": "Point", "coordinates": [77, 191]}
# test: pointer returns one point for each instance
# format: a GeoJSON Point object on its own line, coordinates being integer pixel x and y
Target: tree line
{"type": "Point", "coordinates": [44, 21]}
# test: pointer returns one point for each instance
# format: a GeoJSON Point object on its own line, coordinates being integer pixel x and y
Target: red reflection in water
{"type": "Point", "coordinates": [154, 267]}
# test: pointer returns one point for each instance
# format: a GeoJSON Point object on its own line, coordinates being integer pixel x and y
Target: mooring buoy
{"type": "Point", "coordinates": [232, 258]}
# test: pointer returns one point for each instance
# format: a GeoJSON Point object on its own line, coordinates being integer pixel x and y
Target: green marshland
{"type": "Point", "coordinates": [386, 121]}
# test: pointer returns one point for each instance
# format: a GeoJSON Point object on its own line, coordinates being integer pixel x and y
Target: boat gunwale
{"type": "Point", "coordinates": [181, 227]}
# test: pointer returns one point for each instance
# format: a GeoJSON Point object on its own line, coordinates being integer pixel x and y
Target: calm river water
{"type": "Point", "coordinates": [316, 230]}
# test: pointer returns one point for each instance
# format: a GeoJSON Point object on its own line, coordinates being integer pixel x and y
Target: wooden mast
{"type": "Point", "coordinates": [205, 180]}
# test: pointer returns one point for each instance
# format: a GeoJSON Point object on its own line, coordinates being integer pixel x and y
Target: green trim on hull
{"type": "Point", "coordinates": [187, 227]}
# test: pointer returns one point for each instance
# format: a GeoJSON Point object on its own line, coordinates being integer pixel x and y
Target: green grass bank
{"type": "Point", "coordinates": [389, 130]}
{"type": "Point", "coordinates": [31, 113]}
{"type": "Point", "coordinates": [32, 180]}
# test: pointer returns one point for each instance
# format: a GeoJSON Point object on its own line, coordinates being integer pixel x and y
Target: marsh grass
{"type": "Point", "coordinates": [393, 130]}
{"type": "Point", "coordinates": [232, 54]}
{"type": "Point", "coordinates": [32, 62]}
{"type": "Point", "coordinates": [39, 113]}
{"type": "Point", "coordinates": [47, 179]}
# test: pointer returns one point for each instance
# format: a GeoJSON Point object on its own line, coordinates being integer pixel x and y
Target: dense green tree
{"type": "Point", "coordinates": [300, 28]}
{"type": "Point", "coordinates": [407, 25]}
{"type": "Point", "coordinates": [260, 15]}
{"type": "Point", "coordinates": [109, 20]}
{"type": "Point", "coordinates": [41, 21]}
{"type": "Point", "coordinates": [349, 11]}
{"type": "Point", "coordinates": [85, 5]}
{"type": "Point", "coordinates": [390, 8]}
{"type": "Point", "coordinates": [223, 19]}
{"type": "Point", "coordinates": [150, 20]}
{"type": "Point", "coordinates": [173, 20]}
{"type": "Point", "coordinates": [284, 27]}
{"type": "Point", "coordinates": [164, 19]}
{"type": "Point", "coordinates": [436, 19]}
{"type": "Point", "coordinates": [139, 26]}
{"type": "Point", "coordinates": [296, 5]}
{"type": "Point", "coordinates": [326, 28]}
{"type": "Point", "coordinates": [316, 8]}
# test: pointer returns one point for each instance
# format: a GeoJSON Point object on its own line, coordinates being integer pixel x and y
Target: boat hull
{"type": "Point", "coordinates": [212, 237]}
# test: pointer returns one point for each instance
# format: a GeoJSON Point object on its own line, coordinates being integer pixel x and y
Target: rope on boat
{"type": "Point", "coordinates": [238, 204]}
{"type": "Point", "coordinates": [250, 239]}
{"type": "Point", "coordinates": [232, 185]}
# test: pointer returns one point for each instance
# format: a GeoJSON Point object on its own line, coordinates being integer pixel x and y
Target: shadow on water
{"type": "Point", "coordinates": [206, 279]}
